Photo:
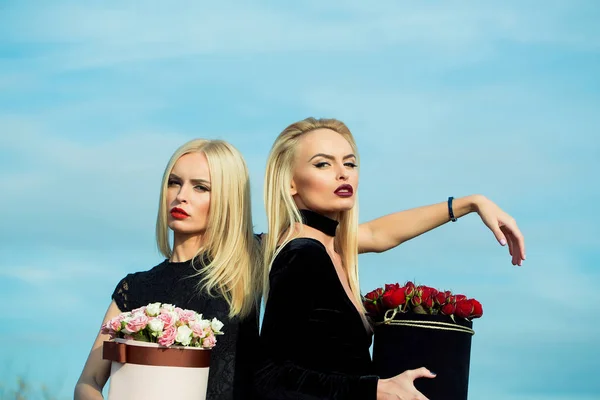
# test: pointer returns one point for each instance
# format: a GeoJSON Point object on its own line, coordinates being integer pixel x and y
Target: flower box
{"type": "Point", "coordinates": [149, 371]}
{"type": "Point", "coordinates": [411, 341]}
{"type": "Point", "coordinates": [418, 326]}
{"type": "Point", "coordinates": [159, 351]}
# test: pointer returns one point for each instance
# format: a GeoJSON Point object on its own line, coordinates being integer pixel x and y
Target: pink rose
{"type": "Point", "coordinates": [115, 323]}
{"type": "Point", "coordinates": [137, 323]}
{"type": "Point", "coordinates": [168, 336]}
{"type": "Point", "coordinates": [168, 319]}
{"type": "Point", "coordinates": [106, 329]}
{"type": "Point", "coordinates": [209, 341]}
{"type": "Point", "coordinates": [186, 316]}
{"type": "Point", "coordinates": [140, 310]}
{"type": "Point", "coordinates": [198, 329]}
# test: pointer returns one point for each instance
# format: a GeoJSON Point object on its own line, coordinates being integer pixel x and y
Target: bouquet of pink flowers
{"type": "Point", "coordinates": [166, 325]}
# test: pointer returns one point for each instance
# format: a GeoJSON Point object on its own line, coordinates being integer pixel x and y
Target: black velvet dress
{"type": "Point", "coordinates": [313, 344]}
{"type": "Point", "coordinates": [231, 365]}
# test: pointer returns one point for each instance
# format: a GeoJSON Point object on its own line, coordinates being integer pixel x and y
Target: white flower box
{"type": "Point", "coordinates": [149, 371]}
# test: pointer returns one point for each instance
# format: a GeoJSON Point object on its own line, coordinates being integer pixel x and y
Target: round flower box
{"type": "Point", "coordinates": [437, 342]}
{"type": "Point", "coordinates": [149, 371]}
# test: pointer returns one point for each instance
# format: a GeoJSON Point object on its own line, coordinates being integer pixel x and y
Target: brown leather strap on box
{"type": "Point", "coordinates": [159, 356]}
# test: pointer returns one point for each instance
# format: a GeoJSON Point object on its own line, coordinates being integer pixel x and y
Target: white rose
{"type": "Point", "coordinates": [203, 323]}
{"type": "Point", "coordinates": [168, 307]}
{"type": "Point", "coordinates": [156, 325]}
{"type": "Point", "coordinates": [175, 315]}
{"type": "Point", "coordinates": [153, 309]}
{"type": "Point", "coordinates": [216, 325]}
{"type": "Point", "coordinates": [184, 335]}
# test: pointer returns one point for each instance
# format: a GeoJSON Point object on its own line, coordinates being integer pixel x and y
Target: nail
{"type": "Point", "coordinates": [433, 373]}
{"type": "Point", "coordinates": [503, 242]}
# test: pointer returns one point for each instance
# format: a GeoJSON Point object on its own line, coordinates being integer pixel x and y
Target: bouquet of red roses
{"type": "Point", "coordinates": [419, 300]}
{"type": "Point", "coordinates": [419, 326]}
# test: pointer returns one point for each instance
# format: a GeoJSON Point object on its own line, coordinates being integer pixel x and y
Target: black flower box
{"type": "Point", "coordinates": [437, 342]}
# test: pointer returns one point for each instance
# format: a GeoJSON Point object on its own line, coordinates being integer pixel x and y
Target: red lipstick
{"type": "Point", "coordinates": [178, 213]}
{"type": "Point", "coordinates": [344, 191]}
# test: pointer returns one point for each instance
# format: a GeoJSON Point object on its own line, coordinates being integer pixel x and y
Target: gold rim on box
{"type": "Point", "coordinates": [446, 326]}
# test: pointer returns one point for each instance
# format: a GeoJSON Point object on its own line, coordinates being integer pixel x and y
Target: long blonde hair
{"type": "Point", "coordinates": [232, 250]}
{"type": "Point", "coordinates": [282, 212]}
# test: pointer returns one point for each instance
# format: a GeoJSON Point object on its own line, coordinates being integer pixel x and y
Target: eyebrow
{"type": "Point", "coordinates": [330, 157]}
{"type": "Point", "coordinates": [194, 181]}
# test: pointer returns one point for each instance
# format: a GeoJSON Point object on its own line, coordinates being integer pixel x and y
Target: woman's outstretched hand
{"type": "Point", "coordinates": [503, 226]}
{"type": "Point", "coordinates": [401, 387]}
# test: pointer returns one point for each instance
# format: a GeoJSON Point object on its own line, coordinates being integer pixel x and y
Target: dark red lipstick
{"type": "Point", "coordinates": [344, 191]}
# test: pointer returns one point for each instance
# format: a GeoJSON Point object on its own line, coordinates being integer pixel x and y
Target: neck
{"type": "Point", "coordinates": [185, 247]}
{"type": "Point", "coordinates": [325, 225]}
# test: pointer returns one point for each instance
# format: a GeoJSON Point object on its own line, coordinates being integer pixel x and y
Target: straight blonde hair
{"type": "Point", "coordinates": [233, 252]}
{"type": "Point", "coordinates": [282, 212]}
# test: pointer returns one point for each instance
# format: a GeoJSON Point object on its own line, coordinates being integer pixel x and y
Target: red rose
{"type": "Point", "coordinates": [392, 286]}
{"type": "Point", "coordinates": [372, 302]}
{"type": "Point", "coordinates": [409, 289]}
{"type": "Point", "coordinates": [374, 295]}
{"type": "Point", "coordinates": [393, 298]}
{"type": "Point", "coordinates": [427, 291]}
{"type": "Point", "coordinates": [372, 308]}
{"type": "Point", "coordinates": [477, 309]}
{"type": "Point", "coordinates": [451, 299]}
{"type": "Point", "coordinates": [460, 297]}
{"type": "Point", "coordinates": [464, 308]}
{"type": "Point", "coordinates": [441, 298]}
{"type": "Point", "coordinates": [428, 302]}
{"type": "Point", "coordinates": [416, 300]}
{"type": "Point", "coordinates": [448, 309]}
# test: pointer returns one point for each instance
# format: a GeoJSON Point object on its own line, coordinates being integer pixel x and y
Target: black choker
{"type": "Point", "coordinates": [319, 222]}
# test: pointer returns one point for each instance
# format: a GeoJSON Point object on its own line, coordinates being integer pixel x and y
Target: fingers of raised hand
{"type": "Point", "coordinates": [516, 244]}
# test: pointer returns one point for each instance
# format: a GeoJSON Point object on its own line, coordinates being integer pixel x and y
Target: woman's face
{"type": "Point", "coordinates": [188, 195]}
{"type": "Point", "coordinates": [325, 173]}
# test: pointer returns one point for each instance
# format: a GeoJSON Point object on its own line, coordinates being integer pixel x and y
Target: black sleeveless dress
{"type": "Point", "coordinates": [174, 283]}
{"type": "Point", "coordinates": [313, 344]}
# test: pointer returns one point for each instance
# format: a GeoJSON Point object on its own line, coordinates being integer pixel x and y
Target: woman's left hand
{"type": "Point", "coordinates": [504, 228]}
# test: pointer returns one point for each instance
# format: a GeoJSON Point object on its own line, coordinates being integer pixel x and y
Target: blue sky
{"type": "Point", "coordinates": [443, 97]}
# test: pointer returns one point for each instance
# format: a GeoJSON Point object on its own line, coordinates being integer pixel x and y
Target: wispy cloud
{"type": "Point", "coordinates": [104, 35]}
